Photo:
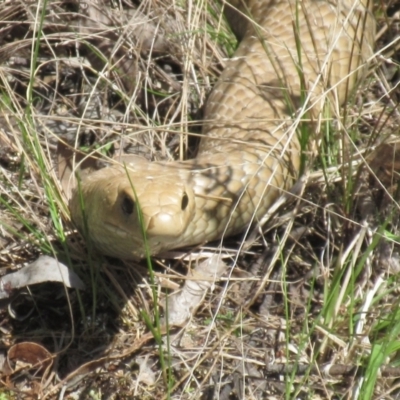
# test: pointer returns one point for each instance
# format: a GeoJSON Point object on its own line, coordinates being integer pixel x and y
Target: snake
{"type": "Point", "coordinates": [296, 62]}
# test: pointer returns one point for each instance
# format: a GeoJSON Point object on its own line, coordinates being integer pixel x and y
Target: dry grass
{"type": "Point", "coordinates": [322, 291]}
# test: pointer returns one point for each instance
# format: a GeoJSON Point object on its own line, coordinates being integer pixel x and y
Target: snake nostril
{"type": "Point", "coordinates": [127, 205]}
{"type": "Point", "coordinates": [185, 201]}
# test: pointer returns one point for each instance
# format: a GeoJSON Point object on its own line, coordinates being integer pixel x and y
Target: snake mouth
{"type": "Point", "coordinates": [116, 229]}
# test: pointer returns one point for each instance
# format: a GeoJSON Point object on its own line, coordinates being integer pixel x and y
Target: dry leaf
{"type": "Point", "coordinates": [182, 305]}
{"type": "Point", "coordinates": [44, 269]}
{"type": "Point", "coordinates": [29, 355]}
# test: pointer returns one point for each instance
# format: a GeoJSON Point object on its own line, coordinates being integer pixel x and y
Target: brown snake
{"type": "Point", "coordinates": [295, 58]}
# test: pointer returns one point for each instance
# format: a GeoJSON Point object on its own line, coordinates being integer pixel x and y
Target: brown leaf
{"type": "Point", "coordinates": [29, 355]}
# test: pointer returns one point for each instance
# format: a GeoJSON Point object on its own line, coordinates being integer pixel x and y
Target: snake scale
{"type": "Point", "coordinates": [296, 58]}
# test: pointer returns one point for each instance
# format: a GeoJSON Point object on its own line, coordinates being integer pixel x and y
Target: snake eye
{"type": "Point", "coordinates": [185, 201]}
{"type": "Point", "coordinates": [127, 205]}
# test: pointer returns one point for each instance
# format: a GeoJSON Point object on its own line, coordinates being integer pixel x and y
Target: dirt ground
{"type": "Point", "coordinates": [305, 307]}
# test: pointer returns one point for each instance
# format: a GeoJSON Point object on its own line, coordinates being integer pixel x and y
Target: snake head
{"type": "Point", "coordinates": [120, 209]}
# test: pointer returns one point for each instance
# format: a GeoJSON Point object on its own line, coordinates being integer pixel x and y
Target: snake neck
{"type": "Point", "coordinates": [234, 189]}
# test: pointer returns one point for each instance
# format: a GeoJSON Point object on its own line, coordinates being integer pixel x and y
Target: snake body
{"type": "Point", "coordinates": [295, 58]}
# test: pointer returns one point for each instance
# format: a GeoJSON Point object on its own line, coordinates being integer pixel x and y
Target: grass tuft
{"type": "Point", "coordinates": [318, 288]}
